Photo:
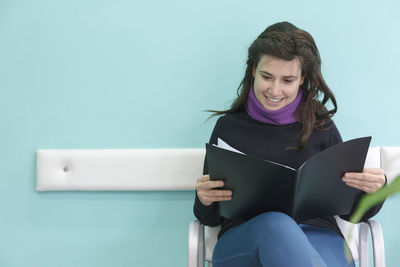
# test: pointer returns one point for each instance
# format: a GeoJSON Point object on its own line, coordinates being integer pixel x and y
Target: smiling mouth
{"type": "Point", "coordinates": [274, 100]}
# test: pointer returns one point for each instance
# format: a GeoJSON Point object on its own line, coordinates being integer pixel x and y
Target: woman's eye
{"type": "Point", "coordinates": [288, 81]}
{"type": "Point", "coordinates": [265, 77]}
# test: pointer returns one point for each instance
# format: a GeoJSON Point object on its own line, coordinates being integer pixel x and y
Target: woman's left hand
{"type": "Point", "coordinates": [369, 181]}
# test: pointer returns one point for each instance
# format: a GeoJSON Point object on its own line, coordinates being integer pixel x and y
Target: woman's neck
{"type": "Point", "coordinates": [282, 116]}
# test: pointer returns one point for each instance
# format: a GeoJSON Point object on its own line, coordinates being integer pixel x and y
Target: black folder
{"type": "Point", "coordinates": [314, 190]}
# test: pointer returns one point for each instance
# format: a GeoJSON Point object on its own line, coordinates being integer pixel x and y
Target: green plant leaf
{"type": "Point", "coordinates": [370, 200]}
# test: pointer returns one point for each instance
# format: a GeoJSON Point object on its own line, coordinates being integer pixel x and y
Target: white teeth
{"type": "Point", "coordinates": [274, 99]}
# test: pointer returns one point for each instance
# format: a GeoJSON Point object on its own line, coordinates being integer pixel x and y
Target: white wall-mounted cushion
{"type": "Point", "coordinates": [119, 169]}
{"type": "Point", "coordinates": [390, 159]}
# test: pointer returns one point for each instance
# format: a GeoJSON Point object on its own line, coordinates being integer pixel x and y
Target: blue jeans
{"type": "Point", "coordinates": [274, 239]}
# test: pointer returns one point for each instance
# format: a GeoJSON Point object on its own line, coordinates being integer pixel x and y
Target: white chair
{"type": "Point", "coordinates": [202, 239]}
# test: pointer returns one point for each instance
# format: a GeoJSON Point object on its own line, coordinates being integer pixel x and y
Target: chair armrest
{"type": "Point", "coordinates": [196, 245]}
{"type": "Point", "coordinates": [377, 244]}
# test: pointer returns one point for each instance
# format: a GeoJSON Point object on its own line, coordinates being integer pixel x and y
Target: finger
{"type": "Point", "coordinates": [210, 194]}
{"type": "Point", "coordinates": [361, 176]}
{"type": "Point", "coordinates": [367, 174]}
{"type": "Point", "coordinates": [209, 185]}
{"type": "Point", "coordinates": [207, 196]}
{"type": "Point", "coordinates": [216, 199]}
{"type": "Point", "coordinates": [218, 193]}
{"type": "Point", "coordinates": [374, 184]}
{"type": "Point", "coordinates": [204, 178]}
{"type": "Point", "coordinates": [376, 171]}
{"type": "Point", "coordinates": [360, 183]}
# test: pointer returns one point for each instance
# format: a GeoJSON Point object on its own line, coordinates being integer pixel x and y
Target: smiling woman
{"type": "Point", "coordinates": [279, 116]}
{"type": "Point", "coordinates": [284, 64]}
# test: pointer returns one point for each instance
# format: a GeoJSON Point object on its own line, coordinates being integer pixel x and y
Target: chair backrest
{"type": "Point", "coordinates": [387, 158]}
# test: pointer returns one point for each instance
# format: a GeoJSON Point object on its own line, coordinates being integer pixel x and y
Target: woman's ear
{"type": "Point", "coordinates": [302, 79]}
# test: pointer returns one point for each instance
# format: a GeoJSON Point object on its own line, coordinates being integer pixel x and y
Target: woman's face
{"type": "Point", "coordinates": [277, 81]}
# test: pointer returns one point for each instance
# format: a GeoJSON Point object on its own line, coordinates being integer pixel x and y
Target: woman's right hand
{"type": "Point", "coordinates": [208, 194]}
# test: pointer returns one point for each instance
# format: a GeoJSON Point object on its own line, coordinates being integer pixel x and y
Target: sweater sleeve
{"type": "Point", "coordinates": [335, 138]}
{"type": "Point", "coordinates": [208, 215]}
{"type": "Point", "coordinates": [370, 213]}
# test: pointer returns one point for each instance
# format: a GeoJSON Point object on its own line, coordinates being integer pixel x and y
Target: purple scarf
{"type": "Point", "coordinates": [281, 116]}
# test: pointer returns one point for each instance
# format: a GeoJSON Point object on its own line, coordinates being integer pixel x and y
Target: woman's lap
{"type": "Point", "coordinates": [275, 239]}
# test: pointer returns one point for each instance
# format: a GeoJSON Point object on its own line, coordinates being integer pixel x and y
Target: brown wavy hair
{"type": "Point", "coordinates": [285, 41]}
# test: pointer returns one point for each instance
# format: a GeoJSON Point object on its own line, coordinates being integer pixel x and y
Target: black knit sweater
{"type": "Point", "coordinates": [270, 142]}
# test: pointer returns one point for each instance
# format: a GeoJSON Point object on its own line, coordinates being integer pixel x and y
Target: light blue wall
{"type": "Point", "coordinates": [137, 74]}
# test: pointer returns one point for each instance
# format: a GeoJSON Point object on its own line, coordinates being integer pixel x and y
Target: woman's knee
{"type": "Point", "coordinates": [274, 218]}
{"type": "Point", "coordinates": [271, 221]}
{"type": "Point", "coordinates": [271, 224]}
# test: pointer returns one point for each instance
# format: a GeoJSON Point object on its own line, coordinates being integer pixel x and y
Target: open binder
{"type": "Point", "coordinates": [314, 190]}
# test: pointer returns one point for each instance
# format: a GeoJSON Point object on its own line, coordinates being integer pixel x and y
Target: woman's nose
{"type": "Point", "coordinates": [274, 89]}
